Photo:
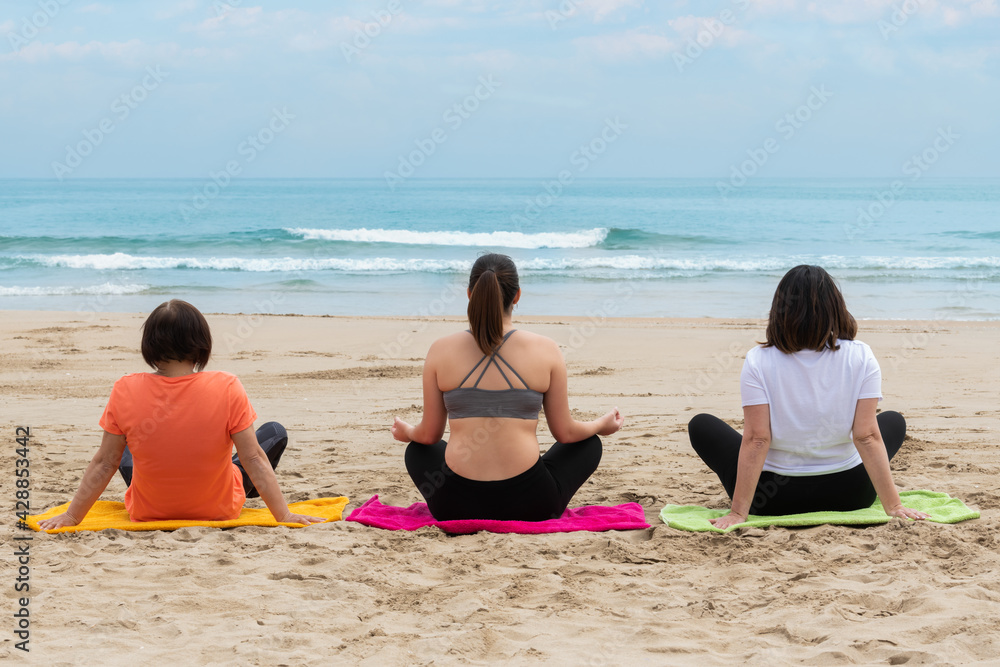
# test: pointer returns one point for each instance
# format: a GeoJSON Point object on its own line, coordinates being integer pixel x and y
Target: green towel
{"type": "Point", "coordinates": [942, 508]}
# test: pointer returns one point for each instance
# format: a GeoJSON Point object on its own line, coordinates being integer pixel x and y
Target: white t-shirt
{"type": "Point", "coordinates": [812, 398]}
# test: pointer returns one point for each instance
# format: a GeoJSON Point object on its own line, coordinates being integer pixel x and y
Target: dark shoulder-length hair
{"type": "Point", "coordinates": [176, 331]}
{"type": "Point", "coordinates": [808, 312]}
{"type": "Point", "coordinates": [493, 284]}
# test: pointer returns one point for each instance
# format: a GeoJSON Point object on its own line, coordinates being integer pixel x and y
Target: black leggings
{"type": "Point", "coordinates": [539, 493]}
{"type": "Point", "coordinates": [718, 445]}
{"type": "Point", "coordinates": [272, 438]}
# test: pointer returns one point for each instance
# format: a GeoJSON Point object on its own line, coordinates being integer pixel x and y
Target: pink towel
{"type": "Point", "coordinates": [629, 516]}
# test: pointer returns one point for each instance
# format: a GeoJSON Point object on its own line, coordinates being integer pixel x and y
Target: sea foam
{"type": "Point", "coordinates": [588, 238]}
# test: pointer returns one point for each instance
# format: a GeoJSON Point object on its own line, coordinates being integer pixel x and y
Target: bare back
{"type": "Point", "coordinates": [492, 448]}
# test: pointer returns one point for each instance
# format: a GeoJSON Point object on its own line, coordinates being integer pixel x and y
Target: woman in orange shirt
{"type": "Point", "coordinates": [180, 424]}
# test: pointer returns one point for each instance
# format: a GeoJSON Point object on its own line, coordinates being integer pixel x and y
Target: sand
{"type": "Point", "coordinates": [342, 593]}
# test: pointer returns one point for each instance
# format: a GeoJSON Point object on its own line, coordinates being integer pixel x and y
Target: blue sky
{"type": "Point", "coordinates": [848, 88]}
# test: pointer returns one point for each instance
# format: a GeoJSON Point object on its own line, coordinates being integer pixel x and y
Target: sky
{"type": "Point", "coordinates": [490, 88]}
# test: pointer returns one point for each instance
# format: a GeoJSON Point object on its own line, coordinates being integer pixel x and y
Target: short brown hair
{"type": "Point", "coordinates": [493, 284]}
{"type": "Point", "coordinates": [176, 331]}
{"type": "Point", "coordinates": [808, 312]}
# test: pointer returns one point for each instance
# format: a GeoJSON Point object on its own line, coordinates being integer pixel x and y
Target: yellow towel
{"type": "Point", "coordinates": [106, 514]}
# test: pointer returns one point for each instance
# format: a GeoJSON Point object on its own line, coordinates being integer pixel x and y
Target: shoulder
{"type": "Point", "coordinates": [535, 343]}
{"type": "Point", "coordinates": [219, 376]}
{"type": "Point", "coordinates": [449, 343]}
{"type": "Point", "coordinates": [218, 379]}
{"type": "Point", "coordinates": [130, 380]}
{"type": "Point", "coordinates": [457, 338]}
{"type": "Point", "coordinates": [533, 338]}
{"type": "Point", "coordinates": [758, 352]}
{"type": "Point", "coordinates": [856, 348]}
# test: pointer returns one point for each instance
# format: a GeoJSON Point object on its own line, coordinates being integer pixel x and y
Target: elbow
{"type": "Point", "coordinates": [107, 465]}
{"type": "Point", "coordinates": [563, 437]}
{"type": "Point", "coordinates": [427, 436]}
{"type": "Point", "coordinates": [563, 433]}
{"type": "Point", "coordinates": [757, 443]}
{"type": "Point", "coordinates": [107, 469]}
{"type": "Point", "coordinates": [867, 439]}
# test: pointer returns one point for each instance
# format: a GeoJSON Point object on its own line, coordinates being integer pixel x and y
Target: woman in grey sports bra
{"type": "Point", "coordinates": [489, 383]}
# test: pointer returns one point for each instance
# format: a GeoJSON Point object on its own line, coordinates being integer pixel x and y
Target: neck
{"type": "Point", "coordinates": [173, 369]}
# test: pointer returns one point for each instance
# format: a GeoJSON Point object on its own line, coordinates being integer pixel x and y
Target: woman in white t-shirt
{"type": "Point", "coordinates": [812, 439]}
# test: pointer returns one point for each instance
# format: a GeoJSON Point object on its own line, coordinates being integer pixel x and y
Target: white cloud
{"type": "Point", "coordinates": [960, 60]}
{"type": "Point", "coordinates": [496, 60]}
{"type": "Point", "coordinates": [950, 13]}
{"type": "Point", "coordinates": [132, 53]}
{"type": "Point", "coordinates": [411, 24]}
{"type": "Point", "coordinates": [96, 8]}
{"type": "Point", "coordinates": [689, 27]}
{"type": "Point", "coordinates": [628, 45]}
{"type": "Point", "coordinates": [954, 13]}
{"type": "Point", "coordinates": [984, 8]}
{"type": "Point", "coordinates": [773, 6]}
{"type": "Point", "coordinates": [176, 9]}
{"type": "Point", "coordinates": [601, 10]}
{"type": "Point", "coordinates": [477, 6]}
{"type": "Point", "coordinates": [326, 35]}
{"type": "Point", "coordinates": [850, 11]}
{"type": "Point", "coordinates": [877, 59]}
{"type": "Point", "coordinates": [248, 20]}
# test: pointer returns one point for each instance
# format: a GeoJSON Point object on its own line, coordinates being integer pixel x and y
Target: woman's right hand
{"type": "Point", "coordinates": [303, 519]}
{"type": "Point", "coordinates": [59, 521]}
{"type": "Point", "coordinates": [611, 422]}
{"type": "Point", "coordinates": [731, 519]}
{"type": "Point", "coordinates": [401, 430]}
{"type": "Point", "coordinates": [907, 513]}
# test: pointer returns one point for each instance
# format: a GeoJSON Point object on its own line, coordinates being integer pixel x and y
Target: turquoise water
{"type": "Point", "coordinates": [596, 248]}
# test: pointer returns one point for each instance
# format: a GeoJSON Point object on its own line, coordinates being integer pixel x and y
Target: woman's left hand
{"type": "Point", "coordinates": [611, 423]}
{"type": "Point", "coordinates": [303, 519]}
{"type": "Point", "coordinates": [907, 513]}
{"type": "Point", "coordinates": [401, 430]}
{"type": "Point", "coordinates": [59, 521]}
{"type": "Point", "coordinates": [730, 519]}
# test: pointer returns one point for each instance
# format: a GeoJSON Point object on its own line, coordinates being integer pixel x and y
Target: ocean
{"type": "Point", "coordinates": [929, 249]}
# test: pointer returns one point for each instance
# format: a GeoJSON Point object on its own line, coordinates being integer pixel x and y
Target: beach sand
{"type": "Point", "coordinates": [342, 593]}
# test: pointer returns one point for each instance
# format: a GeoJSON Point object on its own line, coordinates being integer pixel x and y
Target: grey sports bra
{"type": "Point", "coordinates": [510, 403]}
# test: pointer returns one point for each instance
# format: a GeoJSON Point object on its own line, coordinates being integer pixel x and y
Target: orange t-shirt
{"type": "Point", "coordinates": [179, 431]}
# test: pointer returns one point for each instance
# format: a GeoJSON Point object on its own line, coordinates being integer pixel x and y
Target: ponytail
{"type": "Point", "coordinates": [486, 311]}
{"type": "Point", "coordinates": [493, 284]}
